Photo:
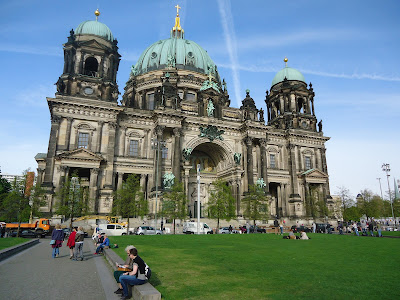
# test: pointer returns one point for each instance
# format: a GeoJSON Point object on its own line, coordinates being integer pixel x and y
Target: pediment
{"type": "Point", "coordinates": [315, 173]}
{"type": "Point", "coordinates": [93, 44]}
{"type": "Point", "coordinates": [80, 154]}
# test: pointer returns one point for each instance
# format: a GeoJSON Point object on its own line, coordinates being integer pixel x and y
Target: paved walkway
{"type": "Point", "coordinates": [34, 274]}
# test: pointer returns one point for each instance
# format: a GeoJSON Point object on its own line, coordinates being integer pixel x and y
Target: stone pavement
{"type": "Point", "coordinates": [34, 274]}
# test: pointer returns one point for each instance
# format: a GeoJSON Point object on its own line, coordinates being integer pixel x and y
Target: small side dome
{"type": "Point", "coordinates": [288, 73]}
{"type": "Point", "coordinates": [95, 28]}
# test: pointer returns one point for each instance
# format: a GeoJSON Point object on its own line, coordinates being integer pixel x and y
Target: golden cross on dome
{"type": "Point", "coordinates": [177, 9]}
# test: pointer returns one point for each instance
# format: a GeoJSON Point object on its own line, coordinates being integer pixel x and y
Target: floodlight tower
{"type": "Point", "coordinates": [386, 169]}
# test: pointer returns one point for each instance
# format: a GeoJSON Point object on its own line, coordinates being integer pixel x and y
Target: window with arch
{"type": "Point", "coordinates": [272, 160]}
{"type": "Point", "coordinates": [134, 148]}
{"type": "Point", "coordinates": [307, 162]}
{"type": "Point", "coordinates": [83, 140]}
{"type": "Point", "coordinates": [150, 101]}
{"type": "Point", "coordinates": [91, 67]}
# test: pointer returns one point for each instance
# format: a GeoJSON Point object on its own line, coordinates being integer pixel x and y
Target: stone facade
{"type": "Point", "coordinates": [189, 109]}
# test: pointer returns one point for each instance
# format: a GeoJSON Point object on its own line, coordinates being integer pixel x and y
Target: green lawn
{"type": "Point", "coordinates": [265, 266]}
{"type": "Point", "coordinates": [9, 242]}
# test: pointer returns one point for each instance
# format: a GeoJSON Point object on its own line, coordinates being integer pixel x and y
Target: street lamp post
{"type": "Point", "coordinates": [155, 144]}
{"type": "Point", "coordinates": [386, 169]}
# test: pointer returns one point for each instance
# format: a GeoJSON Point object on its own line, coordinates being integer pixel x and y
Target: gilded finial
{"type": "Point", "coordinates": [285, 60]}
{"type": "Point", "coordinates": [97, 14]}
{"type": "Point", "coordinates": [177, 30]}
{"type": "Point", "coordinates": [177, 9]}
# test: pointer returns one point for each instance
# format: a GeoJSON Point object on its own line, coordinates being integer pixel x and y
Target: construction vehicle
{"type": "Point", "coordinates": [41, 227]}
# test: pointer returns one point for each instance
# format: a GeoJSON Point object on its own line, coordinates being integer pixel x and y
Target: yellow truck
{"type": "Point", "coordinates": [41, 227]}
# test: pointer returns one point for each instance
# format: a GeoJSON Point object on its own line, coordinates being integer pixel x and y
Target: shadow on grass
{"type": "Point", "coordinates": [154, 280]}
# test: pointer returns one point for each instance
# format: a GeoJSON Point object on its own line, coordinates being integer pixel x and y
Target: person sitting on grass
{"type": "Point", "coordinates": [303, 236]}
{"type": "Point", "coordinates": [127, 265]}
{"type": "Point", "coordinates": [105, 243]}
{"type": "Point", "coordinates": [136, 276]}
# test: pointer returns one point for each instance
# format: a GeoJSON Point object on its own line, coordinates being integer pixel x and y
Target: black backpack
{"type": "Point", "coordinates": [147, 271]}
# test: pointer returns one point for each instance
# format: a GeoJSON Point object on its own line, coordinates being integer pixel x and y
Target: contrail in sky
{"type": "Point", "coordinates": [230, 41]}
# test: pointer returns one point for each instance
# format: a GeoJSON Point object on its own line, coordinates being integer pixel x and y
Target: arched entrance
{"type": "Point", "coordinates": [216, 162]}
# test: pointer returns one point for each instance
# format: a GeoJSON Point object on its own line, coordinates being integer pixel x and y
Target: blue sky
{"type": "Point", "coordinates": [347, 49]}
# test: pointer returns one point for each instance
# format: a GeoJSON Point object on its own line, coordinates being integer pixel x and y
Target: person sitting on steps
{"type": "Point", "coordinates": [128, 265]}
{"type": "Point", "coordinates": [105, 243]}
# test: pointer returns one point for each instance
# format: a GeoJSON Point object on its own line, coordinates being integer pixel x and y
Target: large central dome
{"type": "Point", "coordinates": [177, 52]}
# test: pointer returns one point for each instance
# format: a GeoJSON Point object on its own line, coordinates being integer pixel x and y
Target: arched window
{"type": "Point", "coordinates": [91, 67]}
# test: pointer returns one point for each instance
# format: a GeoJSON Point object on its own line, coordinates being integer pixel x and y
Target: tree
{"type": "Point", "coordinates": [352, 213]}
{"type": "Point", "coordinates": [15, 205]}
{"type": "Point", "coordinates": [255, 204]}
{"type": "Point", "coordinates": [315, 204]}
{"type": "Point", "coordinates": [129, 200]}
{"type": "Point", "coordinates": [5, 188]}
{"type": "Point", "coordinates": [175, 203]}
{"type": "Point", "coordinates": [346, 200]}
{"type": "Point", "coordinates": [369, 204]}
{"type": "Point", "coordinates": [73, 198]}
{"type": "Point", "coordinates": [221, 204]}
{"type": "Point", "coordinates": [37, 199]}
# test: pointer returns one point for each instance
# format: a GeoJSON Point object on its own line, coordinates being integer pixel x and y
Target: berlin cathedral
{"type": "Point", "coordinates": [174, 115]}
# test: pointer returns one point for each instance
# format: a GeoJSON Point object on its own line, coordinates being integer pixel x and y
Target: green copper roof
{"type": "Point", "coordinates": [289, 73]}
{"type": "Point", "coordinates": [175, 52]}
{"type": "Point", "coordinates": [95, 28]}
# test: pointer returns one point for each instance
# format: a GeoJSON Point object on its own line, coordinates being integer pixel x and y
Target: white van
{"type": "Point", "coordinates": [191, 228]}
{"type": "Point", "coordinates": [112, 229]}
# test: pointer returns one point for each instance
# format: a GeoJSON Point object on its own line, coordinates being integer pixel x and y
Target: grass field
{"type": "Point", "coordinates": [9, 242]}
{"type": "Point", "coordinates": [265, 266]}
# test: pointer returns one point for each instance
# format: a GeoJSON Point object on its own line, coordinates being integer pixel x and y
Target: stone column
{"type": "Point", "coordinates": [39, 178]}
{"type": "Point", "coordinates": [120, 180]}
{"type": "Point", "coordinates": [264, 166]}
{"type": "Point", "coordinates": [187, 167]}
{"type": "Point", "coordinates": [99, 136]}
{"type": "Point", "coordinates": [157, 159]}
{"type": "Point", "coordinates": [238, 193]}
{"type": "Point", "coordinates": [62, 171]}
{"type": "Point", "coordinates": [68, 133]}
{"type": "Point", "coordinates": [177, 155]}
{"type": "Point", "coordinates": [250, 175]}
{"type": "Point", "coordinates": [122, 141]}
{"type": "Point", "coordinates": [279, 201]}
{"type": "Point", "coordinates": [293, 171]}
{"type": "Point", "coordinates": [143, 183]}
{"type": "Point", "coordinates": [93, 203]}
{"type": "Point", "coordinates": [323, 159]}
{"type": "Point", "coordinates": [48, 175]}
{"type": "Point", "coordinates": [110, 155]}
{"type": "Point", "coordinates": [312, 106]}
{"type": "Point", "coordinates": [299, 164]}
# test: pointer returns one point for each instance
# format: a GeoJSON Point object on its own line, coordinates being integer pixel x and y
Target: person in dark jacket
{"type": "Point", "coordinates": [80, 235]}
{"type": "Point", "coordinates": [136, 276]}
{"type": "Point", "coordinates": [58, 237]}
{"type": "Point", "coordinates": [105, 243]}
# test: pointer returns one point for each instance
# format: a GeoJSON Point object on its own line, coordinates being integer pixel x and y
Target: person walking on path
{"type": "Point", "coordinates": [281, 227]}
{"type": "Point", "coordinates": [127, 265]}
{"type": "Point", "coordinates": [57, 237]}
{"type": "Point", "coordinates": [371, 228]}
{"type": "Point", "coordinates": [355, 229]}
{"type": "Point", "coordinates": [79, 237]}
{"type": "Point", "coordinates": [136, 276]}
{"type": "Point", "coordinates": [314, 227]}
{"type": "Point", "coordinates": [105, 243]}
{"type": "Point", "coordinates": [379, 227]}
{"type": "Point", "coordinates": [71, 243]}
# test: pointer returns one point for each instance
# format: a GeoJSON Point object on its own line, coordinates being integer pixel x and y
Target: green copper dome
{"type": "Point", "coordinates": [290, 74]}
{"type": "Point", "coordinates": [95, 28]}
{"type": "Point", "coordinates": [175, 52]}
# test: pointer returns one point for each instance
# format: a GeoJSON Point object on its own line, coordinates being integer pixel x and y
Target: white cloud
{"type": "Point", "coordinates": [50, 51]}
{"type": "Point", "coordinates": [231, 45]}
